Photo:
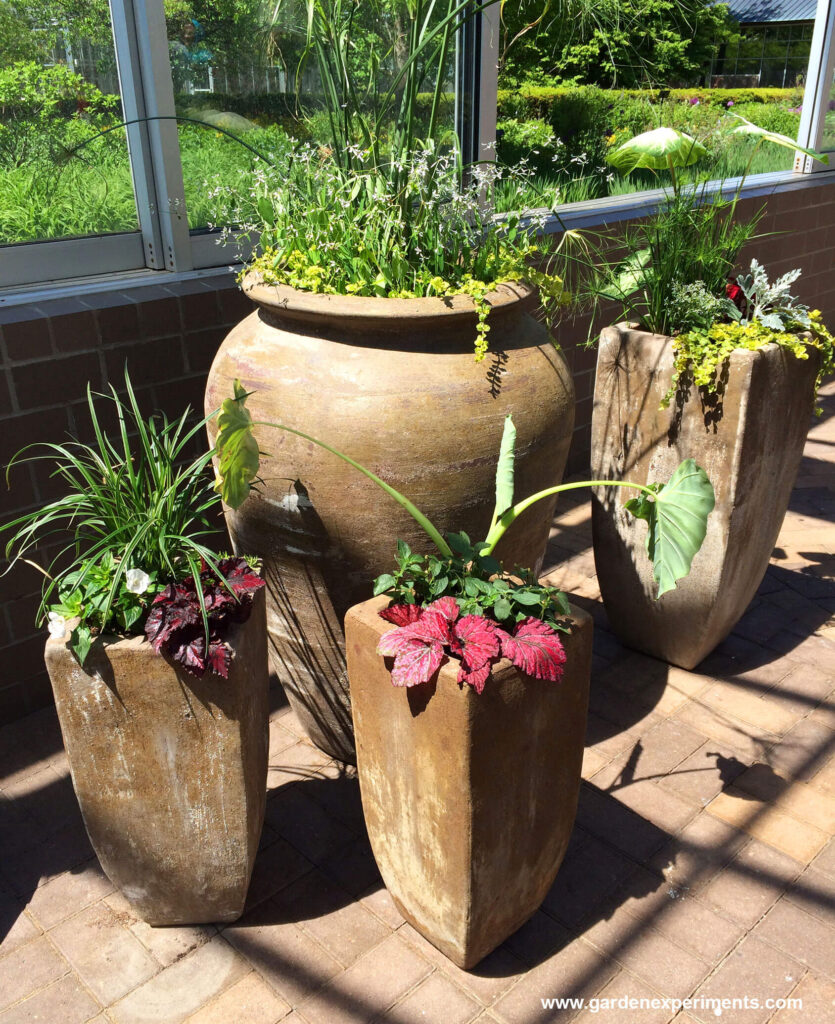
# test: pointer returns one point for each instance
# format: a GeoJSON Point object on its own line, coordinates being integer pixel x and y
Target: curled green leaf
{"type": "Point", "coordinates": [659, 149]}
{"type": "Point", "coordinates": [237, 449]}
{"type": "Point", "coordinates": [505, 468]}
{"type": "Point", "coordinates": [747, 128]}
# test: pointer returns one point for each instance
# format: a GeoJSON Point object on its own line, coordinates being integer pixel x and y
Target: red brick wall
{"type": "Point", "coordinates": [168, 335]}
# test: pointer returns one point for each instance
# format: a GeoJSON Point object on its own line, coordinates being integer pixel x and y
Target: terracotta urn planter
{"type": "Point", "coordinates": [169, 770]}
{"type": "Point", "coordinates": [469, 799]}
{"type": "Point", "coordinates": [749, 441]}
{"type": "Point", "coordinates": [392, 383]}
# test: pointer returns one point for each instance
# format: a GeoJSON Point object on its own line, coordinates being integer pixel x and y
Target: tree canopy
{"type": "Point", "coordinates": [626, 43]}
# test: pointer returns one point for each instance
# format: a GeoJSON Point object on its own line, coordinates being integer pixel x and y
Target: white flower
{"type": "Point", "coordinates": [137, 581]}
{"type": "Point", "coordinates": [57, 625]}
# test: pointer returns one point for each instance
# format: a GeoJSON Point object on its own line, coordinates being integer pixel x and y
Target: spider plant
{"type": "Point", "coordinates": [135, 515]}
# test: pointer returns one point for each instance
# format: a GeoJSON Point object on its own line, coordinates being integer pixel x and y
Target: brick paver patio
{"type": "Point", "coordinates": [702, 863]}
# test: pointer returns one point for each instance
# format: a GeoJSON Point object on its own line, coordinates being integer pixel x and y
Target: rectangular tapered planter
{"type": "Point", "coordinates": [170, 771]}
{"type": "Point", "coordinates": [469, 798]}
{"type": "Point", "coordinates": [749, 440]}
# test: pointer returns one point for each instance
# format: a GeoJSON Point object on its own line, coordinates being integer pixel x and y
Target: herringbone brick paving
{"type": "Point", "coordinates": [702, 862]}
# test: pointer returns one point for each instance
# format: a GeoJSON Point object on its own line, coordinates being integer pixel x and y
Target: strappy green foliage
{"type": "Point", "coordinates": [132, 500]}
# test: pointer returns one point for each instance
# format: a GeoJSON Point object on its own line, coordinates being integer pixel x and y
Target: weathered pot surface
{"type": "Point", "coordinates": [469, 798]}
{"type": "Point", "coordinates": [749, 442]}
{"type": "Point", "coordinates": [392, 383]}
{"type": "Point", "coordinates": [169, 770]}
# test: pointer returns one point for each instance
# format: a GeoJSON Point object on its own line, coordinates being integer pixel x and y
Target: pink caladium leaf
{"type": "Point", "coordinates": [445, 606]}
{"type": "Point", "coordinates": [536, 649]}
{"type": "Point", "coordinates": [417, 663]}
{"type": "Point", "coordinates": [429, 628]}
{"type": "Point", "coordinates": [477, 677]}
{"type": "Point", "coordinates": [401, 614]}
{"type": "Point", "coordinates": [475, 641]}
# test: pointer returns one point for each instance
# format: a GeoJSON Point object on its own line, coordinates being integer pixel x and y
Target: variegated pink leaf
{"type": "Point", "coordinates": [536, 649]}
{"type": "Point", "coordinates": [396, 640]}
{"type": "Point", "coordinates": [446, 606]}
{"type": "Point", "coordinates": [401, 614]}
{"type": "Point", "coordinates": [417, 663]}
{"type": "Point", "coordinates": [429, 628]}
{"type": "Point", "coordinates": [476, 640]}
{"type": "Point", "coordinates": [477, 677]}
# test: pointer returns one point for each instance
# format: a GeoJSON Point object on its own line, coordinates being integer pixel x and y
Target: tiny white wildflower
{"type": "Point", "coordinates": [57, 625]}
{"type": "Point", "coordinates": [137, 581]}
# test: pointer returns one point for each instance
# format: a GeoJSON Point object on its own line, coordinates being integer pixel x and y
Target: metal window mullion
{"type": "Point", "coordinates": [488, 81]}
{"type": "Point", "coordinates": [467, 75]}
{"type": "Point", "coordinates": [157, 93]}
{"type": "Point", "coordinates": [138, 140]}
{"type": "Point", "coordinates": [818, 83]}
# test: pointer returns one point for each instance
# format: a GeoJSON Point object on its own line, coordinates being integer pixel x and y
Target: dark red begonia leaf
{"type": "Point", "coordinates": [417, 663]}
{"type": "Point", "coordinates": [401, 614]}
{"type": "Point", "coordinates": [536, 649]}
{"type": "Point", "coordinates": [169, 613]}
{"type": "Point", "coordinates": [241, 578]}
{"type": "Point", "coordinates": [190, 653]}
{"type": "Point", "coordinates": [219, 657]}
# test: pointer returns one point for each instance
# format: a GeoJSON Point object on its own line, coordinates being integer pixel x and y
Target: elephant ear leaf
{"type": "Point", "coordinates": [237, 450]}
{"type": "Point", "coordinates": [677, 521]}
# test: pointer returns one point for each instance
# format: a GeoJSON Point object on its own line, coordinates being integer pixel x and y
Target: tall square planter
{"type": "Point", "coordinates": [170, 771]}
{"type": "Point", "coordinates": [749, 440]}
{"type": "Point", "coordinates": [469, 798]}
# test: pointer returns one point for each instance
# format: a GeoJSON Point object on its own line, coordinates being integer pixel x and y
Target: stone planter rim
{"type": "Point", "coordinates": [283, 302]}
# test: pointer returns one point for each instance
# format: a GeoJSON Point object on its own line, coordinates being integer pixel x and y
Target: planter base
{"type": "Point", "coordinates": [170, 771]}
{"type": "Point", "coordinates": [469, 799]}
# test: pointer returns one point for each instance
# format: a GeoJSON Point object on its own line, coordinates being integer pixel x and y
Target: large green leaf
{"type": "Point", "coordinates": [747, 128]}
{"type": "Point", "coordinates": [677, 518]}
{"type": "Point", "coordinates": [238, 455]}
{"type": "Point", "coordinates": [629, 277]}
{"type": "Point", "coordinates": [659, 149]}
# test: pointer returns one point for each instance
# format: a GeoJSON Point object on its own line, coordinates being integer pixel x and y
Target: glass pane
{"type": "Point", "coordinates": [828, 140]}
{"type": "Point", "coordinates": [241, 92]}
{"type": "Point", "coordinates": [62, 173]}
{"type": "Point", "coordinates": [567, 101]}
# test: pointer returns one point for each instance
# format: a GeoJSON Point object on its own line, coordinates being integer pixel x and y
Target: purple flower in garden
{"type": "Point", "coordinates": [729, 104]}
{"type": "Point", "coordinates": [694, 101]}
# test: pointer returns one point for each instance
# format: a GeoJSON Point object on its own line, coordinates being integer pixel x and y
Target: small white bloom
{"type": "Point", "coordinates": [137, 581]}
{"type": "Point", "coordinates": [57, 625]}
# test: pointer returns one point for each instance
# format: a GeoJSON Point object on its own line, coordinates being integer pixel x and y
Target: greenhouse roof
{"type": "Point", "coordinates": [749, 12]}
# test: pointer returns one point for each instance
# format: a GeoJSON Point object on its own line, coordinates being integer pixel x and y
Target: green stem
{"type": "Point", "coordinates": [422, 520]}
{"type": "Point", "coordinates": [498, 530]}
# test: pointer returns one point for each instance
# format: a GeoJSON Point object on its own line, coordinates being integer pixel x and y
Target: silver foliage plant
{"type": "Point", "coordinates": [772, 305]}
